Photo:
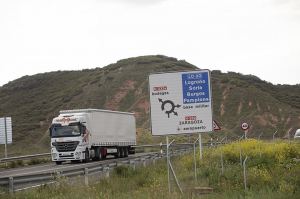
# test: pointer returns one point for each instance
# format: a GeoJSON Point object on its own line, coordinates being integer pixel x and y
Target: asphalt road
{"type": "Point", "coordinates": [45, 168]}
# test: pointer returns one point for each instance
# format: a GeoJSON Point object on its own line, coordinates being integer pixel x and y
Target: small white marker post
{"type": "Point", "coordinates": [222, 163]}
{"type": "Point", "coordinates": [168, 160]}
{"type": "Point", "coordinates": [245, 126]}
{"type": "Point", "coordinates": [274, 134]}
{"type": "Point", "coordinates": [245, 176]}
{"type": "Point", "coordinates": [200, 146]}
{"type": "Point", "coordinates": [260, 135]}
{"type": "Point", "coordinates": [195, 161]}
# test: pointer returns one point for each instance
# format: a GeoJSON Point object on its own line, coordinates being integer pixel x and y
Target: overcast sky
{"type": "Point", "coordinates": [258, 37]}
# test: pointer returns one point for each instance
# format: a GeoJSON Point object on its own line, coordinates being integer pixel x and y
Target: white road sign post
{"type": "Point", "coordinates": [245, 126]}
{"type": "Point", "coordinates": [181, 103]}
{"type": "Point", "coordinates": [5, 132]}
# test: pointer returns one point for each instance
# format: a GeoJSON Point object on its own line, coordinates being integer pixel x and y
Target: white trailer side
{"type": "Point", "coordinates": [108, 128]}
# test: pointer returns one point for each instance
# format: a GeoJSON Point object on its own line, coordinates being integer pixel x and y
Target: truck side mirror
{"type": "Point", "coordinates": [50, 131]}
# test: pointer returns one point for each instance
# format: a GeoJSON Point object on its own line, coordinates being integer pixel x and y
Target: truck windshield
{"type": "Point", "coordinates": [65, 131]}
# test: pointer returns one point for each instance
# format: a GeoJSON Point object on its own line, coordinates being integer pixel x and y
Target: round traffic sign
{"type": "Point", "coordinates": [245, 126]}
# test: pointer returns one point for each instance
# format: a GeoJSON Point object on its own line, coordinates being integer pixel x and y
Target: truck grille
{"type": "Point", "coordinates": [66, 146]}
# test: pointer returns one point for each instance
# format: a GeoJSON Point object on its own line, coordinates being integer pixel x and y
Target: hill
{"type": "Point", "coordinates": [32, 101]}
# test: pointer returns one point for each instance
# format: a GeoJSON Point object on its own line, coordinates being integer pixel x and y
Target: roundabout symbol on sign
{"type": "Point", "coordinates": [172, 108]}
{"type": "Point", "coordinates": [245, 126]}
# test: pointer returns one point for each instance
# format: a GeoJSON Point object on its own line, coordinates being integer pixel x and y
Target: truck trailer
{"type": "Point", "coordinates": [83, 134]}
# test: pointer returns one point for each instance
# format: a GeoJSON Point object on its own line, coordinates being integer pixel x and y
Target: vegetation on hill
{"type": "Point", "coordinates": [32, 101]}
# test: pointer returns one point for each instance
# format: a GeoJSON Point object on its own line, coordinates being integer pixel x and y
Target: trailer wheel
{"type": "Point", "coordinates": [125, 152]}
{"type": "Point", "coordinates": [122, 152]}
{"type": "Point", "coordinates": [103, 152]}
{"type": "Point", "coordinates": [118, 154]}
{"type": "Point", "coordinates": [98, 155]}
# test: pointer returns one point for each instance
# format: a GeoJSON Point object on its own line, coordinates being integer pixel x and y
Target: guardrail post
{"type": "Point", "coordinates": [57, 175]}
{"type": "Point", "coordinates": [106, 170]}
{"type": "Point", "coordinates": [144, 162]}
{"type": "Point", "coordinates": [11, 185]}
{"type": "Point", "coordinates": [132, 164]}
{"type": "Point", "coordinates": [154, 160]}
{"type": "Point", "coordinates": [119, 164]}
{"type": "Point", "coordinates": [86, 176]}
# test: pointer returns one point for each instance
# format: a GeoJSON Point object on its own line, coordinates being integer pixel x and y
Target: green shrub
{"type": "Point", "coordinates": [12, 164]}
{"type": "Point", "coordinates": [20, 162]}
{"type": "Point", "coordinates": [124, 171]}
{"type": "Point", "coordinates": [270, 174]}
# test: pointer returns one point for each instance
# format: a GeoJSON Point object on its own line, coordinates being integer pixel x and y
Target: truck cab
{"type": "Point", "coordinates": [69, 138]}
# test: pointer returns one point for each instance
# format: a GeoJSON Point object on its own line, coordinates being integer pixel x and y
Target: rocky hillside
{"type": "Point", "coordinates": [32, 101]}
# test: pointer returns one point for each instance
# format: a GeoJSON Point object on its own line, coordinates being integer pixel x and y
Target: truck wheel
{"type": "Point", "coordinates": [103, 152]}
{"type": "Point", "coordinates": [98, 155]}
{"type": "Point", "coordinates": [58, 162]}
{"type": "Point", "coordinates": [118, 154]}
{"type": "Point", "coordinates": [125, 152]}
{"type": "Point", "coordinates": [86, 156]}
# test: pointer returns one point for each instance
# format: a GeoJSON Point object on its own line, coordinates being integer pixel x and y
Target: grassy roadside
{"type": "Point", "coordinates": [272, 172]}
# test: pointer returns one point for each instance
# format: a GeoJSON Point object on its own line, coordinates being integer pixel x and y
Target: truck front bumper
{"type": "Point", "coordinates": [65, 156]}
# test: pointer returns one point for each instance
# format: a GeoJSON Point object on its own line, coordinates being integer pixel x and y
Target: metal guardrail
{"type": "Point", "coordinates": [3, 160]}
{"type": "Point", "coordinates": [9, 159]}
{"type": "Point", "coordinates": [102, 168]}
{"type": "Point", "coordinates": [24, 157]}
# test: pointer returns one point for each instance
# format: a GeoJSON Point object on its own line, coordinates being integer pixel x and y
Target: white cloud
{"type": "Point", "coordinates": [137, 2]}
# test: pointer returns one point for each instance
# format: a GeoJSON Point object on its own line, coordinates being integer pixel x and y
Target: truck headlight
{"type": "Point", "coordinates": [54, 155]}
{"type": "Point", "coordinates": [77, 155]}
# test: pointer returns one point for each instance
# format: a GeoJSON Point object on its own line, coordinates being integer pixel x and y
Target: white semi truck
{"type": "Point", "coordinates": [84, 134]}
